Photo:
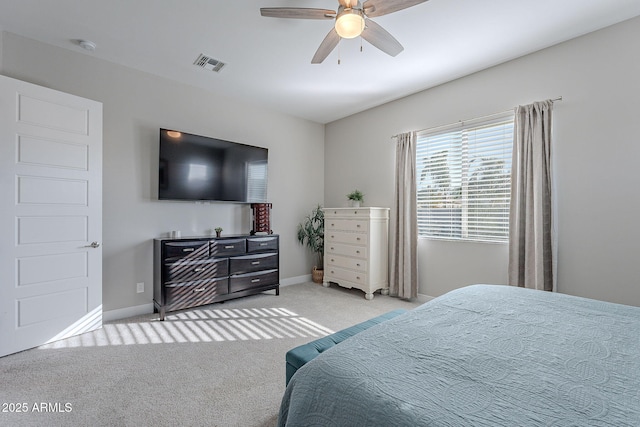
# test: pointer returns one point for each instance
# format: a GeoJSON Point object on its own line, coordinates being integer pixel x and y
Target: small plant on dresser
{"type": "Point", "coordinates": [356, 198]}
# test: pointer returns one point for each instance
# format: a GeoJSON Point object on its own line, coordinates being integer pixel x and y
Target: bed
{"type": "Point", "coordinates": [483, 355]}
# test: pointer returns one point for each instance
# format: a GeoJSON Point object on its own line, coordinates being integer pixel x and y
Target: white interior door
{"type": "Point", "coordinates": [50, 213]}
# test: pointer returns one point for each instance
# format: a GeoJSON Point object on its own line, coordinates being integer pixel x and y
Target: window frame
{"type": "Point", "coordinates": [451, 174]}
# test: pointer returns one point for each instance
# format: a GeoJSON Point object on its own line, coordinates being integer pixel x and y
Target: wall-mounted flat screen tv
{"type": "Point", "coordinates": [193, 167]}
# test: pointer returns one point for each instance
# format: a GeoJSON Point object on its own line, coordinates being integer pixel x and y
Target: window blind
{"type": "Point", "coordinates": [257, 182]}
{"type": "Point", "coordinates": [464, 179]}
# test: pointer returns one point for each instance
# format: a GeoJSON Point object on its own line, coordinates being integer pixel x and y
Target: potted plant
{"type": "Point", "coordinates": [356, 197]}
{"type": "Point", "coordinates": [311, 234]}
{"type": "Point", "coordinates": [218, 230]}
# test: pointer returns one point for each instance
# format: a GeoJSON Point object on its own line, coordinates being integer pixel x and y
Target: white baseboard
{"type": "Point", "coordinates": [295, 280]}
{"type": "Point", "coordinates": [123, 313]}
{"type": "Point", "coordinates": [424, 298]}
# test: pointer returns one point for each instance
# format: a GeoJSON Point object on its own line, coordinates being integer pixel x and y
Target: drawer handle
{"type": "Point", "coordinates": [357, 225]}
{"type": "Point", "coordinates": [332, 236]}
{"type": "Point", "coordinates": [255, 280]}
{"type": "Point", "coordinates": [333, 260]}
{"type": "Point", "coordinates": [188, 249]}
{"type": "Point", "coordinates": [357, 264]}
{"type": "Point", "coordinates": [358, 277]}
{"type": "Point", "coordinates": [358, 239]}
{"type": "Point", "coordinates": [332, 248]}
{"type": "Point", "coordinates": [263, 244]}
{"type": "Point", "coordinates": [200, 290]}
{"type": "Point", "coordinates": [229, 246]}
{"type": "Point", "coordinates": [332, 224]}
{"type": "Point", "coordinates": [357, 252]}
{"type": "Point", "coordinates": [255, 263]}
{"type": "Point", "coordinates": [333, 272]}
{"type": "Point", "coordinates": [197, 270]}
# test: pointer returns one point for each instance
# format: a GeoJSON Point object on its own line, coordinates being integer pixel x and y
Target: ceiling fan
{"type": "Point", "coordinates": [351, 20]}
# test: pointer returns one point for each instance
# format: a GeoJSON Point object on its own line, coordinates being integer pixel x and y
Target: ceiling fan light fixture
{"type": "Point", "coordinates": [349, 23]}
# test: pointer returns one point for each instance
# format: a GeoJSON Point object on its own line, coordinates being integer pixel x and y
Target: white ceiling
{"type": "Point", "coordinates": [268, 59]}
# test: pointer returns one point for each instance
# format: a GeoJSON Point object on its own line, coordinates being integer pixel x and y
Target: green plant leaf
{"type": "Point", "coordinates": [311, 233]}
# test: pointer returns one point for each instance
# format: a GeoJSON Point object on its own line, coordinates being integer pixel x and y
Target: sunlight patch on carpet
{"type": "Point", "coordinates": [200, 325]}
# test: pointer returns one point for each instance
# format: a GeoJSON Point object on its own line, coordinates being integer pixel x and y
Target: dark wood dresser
{"type": "Point", "coordinates": [191, 272]}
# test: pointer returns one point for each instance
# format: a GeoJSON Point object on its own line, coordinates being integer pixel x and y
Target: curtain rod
{"type": "Point", "coordinates": [475, 118]}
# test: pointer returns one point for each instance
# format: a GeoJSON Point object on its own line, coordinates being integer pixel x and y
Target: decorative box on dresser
{"type": "Point", "coordinates": [191, 272]}
{"type": "Point", "coordinates": [356, 248]}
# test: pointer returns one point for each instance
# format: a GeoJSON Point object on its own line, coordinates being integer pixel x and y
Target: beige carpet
{"type": "Point", "coordinates": [218, 365]}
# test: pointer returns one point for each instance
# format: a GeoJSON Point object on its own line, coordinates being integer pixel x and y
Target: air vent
{"type": "Point", "coordinates": [209, 63]}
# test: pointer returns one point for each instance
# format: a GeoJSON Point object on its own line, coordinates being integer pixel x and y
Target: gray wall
{"type": "Point", "coordinates": [135, 106]}
{"type": "Point", "coordinates": [596, 151]}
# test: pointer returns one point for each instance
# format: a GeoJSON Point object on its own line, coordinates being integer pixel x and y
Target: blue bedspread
{"type": "Point", "coordinates": [483, 355]}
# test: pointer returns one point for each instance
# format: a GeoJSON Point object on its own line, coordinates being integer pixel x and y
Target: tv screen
{"type": "Point", "coordinates": [194, 167]}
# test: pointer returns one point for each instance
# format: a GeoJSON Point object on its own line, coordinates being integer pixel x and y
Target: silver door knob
{"type": "Point", "coordinates": [93, 245]}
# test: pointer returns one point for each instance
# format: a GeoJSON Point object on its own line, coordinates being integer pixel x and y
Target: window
{"type": "Point", "coordinates": [257, 182]}
{"type": "Point", "coordinates": [464, 180]}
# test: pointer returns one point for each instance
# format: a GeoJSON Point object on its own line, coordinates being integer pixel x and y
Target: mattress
{"type": "Point", "coordinates": [483, 355]}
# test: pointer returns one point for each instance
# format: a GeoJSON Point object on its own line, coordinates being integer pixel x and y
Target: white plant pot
{"type": "Point", "coordinates": [355, 203]}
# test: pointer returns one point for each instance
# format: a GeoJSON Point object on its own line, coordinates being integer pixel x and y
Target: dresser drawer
{"type": "Point", "coordinates": [348, 212]}
{"type": "Point", "coordinates": [261, 244]}
{"type": "Point", "coordinates": [348, 275]}
{"type": "Point", "coordinates": [189, 271]}
{"type": "Point", "coordinates": [331, 236]}
{"type": "Point", "coordinates": [187, 249]}
{"type": "Point", "coordinates": [243, 282]}
{"type": "Point", "coordinates": [348, 250]}
{"type": "Point", "coordinates": [190, 294]}
{"type": "Point", "coordinates": [227, 247]}
{"type": "Point", "coordinates": [344, 262]}
{"type": "Point", "coordinates": [249, 263]}
{"type": "Point", "coordinates": [346, 224]}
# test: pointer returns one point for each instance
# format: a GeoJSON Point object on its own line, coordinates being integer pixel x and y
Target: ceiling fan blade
{"type": "Point", "coordinates": [373, 8]}
{"type": "Point", "coordinates": [380, 38]}
{"type": "Point", "coordinates": [328, 44]}
{"type": "Point", "coordinates": [297, 13]}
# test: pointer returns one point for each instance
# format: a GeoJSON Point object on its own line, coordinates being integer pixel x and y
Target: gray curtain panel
{"type": "Point", "coordinates": [403, 280]}
{"type": "Point", "coordinates": [531, 234]}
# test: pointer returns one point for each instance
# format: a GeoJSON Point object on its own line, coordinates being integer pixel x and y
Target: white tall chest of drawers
{"type": "Point", "coordinates": [356, 248]}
